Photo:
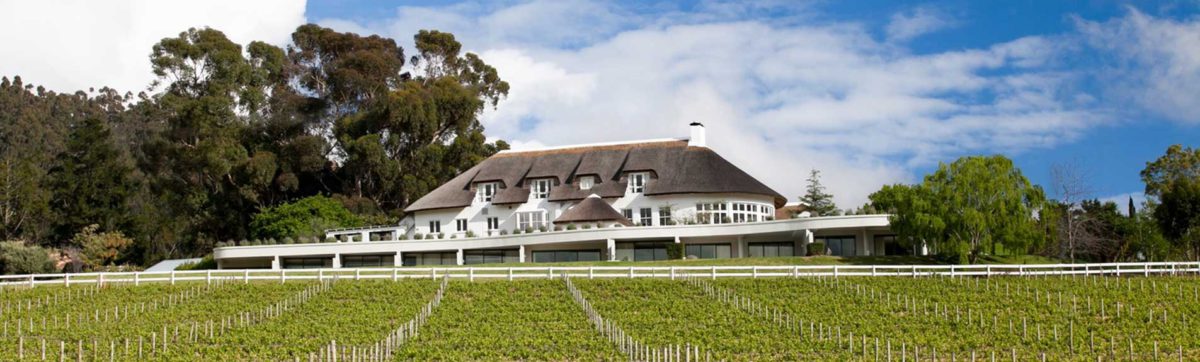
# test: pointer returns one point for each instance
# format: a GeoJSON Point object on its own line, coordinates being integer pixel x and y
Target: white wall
{"type": "Point", "coordinates": [683, 207]}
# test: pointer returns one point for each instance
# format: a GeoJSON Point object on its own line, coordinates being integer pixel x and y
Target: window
{"type": "Point", "coordinates": [442, 258]}
{"type": "Point", "coordinates": [645, 216]}
{"type": "Point", "coordinates": [435, 226]}
{"type": "Point", "coordinates": [359, 261]}
{"type": "Point", "coordinates": [642, 251]}
{"type": "Point", "coordinates": [783, 248]}
{"type": "Point", "coordinates": [750, 212]}
{"type": "Point", "coordinates": [712, 213]}
{"type": "Point", "coordinates": [460, 225]}
{"type": "Point", "coordinates": [540, 189]}
{"type": "Point", "coordinates": [491, 256]}
{"type": "Point", "coordinates": [485, 191]}
{"type": "Point", "coordinates": [708, 251]}
{"type": "Point", "coordinates": [533, 219]}
{"type": "Point", "coordinates": [839, 245]}
{"type": "Point", "coordinates": [565, 256]}
{"type": "Point", "coordinates": [493, 223]}
{"type": "Point", "coordinates": [637, 183]}
{"type": "Point", "coordinates": [307, 263]}
{"type": "Point", "coordinates": [664, 216]}
{"type": "Point", "coordinates": [586, 182]}
{"type": "Point", "coordinates": [627, 213]}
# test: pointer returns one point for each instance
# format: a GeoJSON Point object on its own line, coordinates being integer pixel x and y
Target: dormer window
{"type": "Point", "coordinates": [586, 182]}
{"type": "Point", "coordinates": [485, 191]}
{"type": "Point", "coordinates": [540, 189]}
{"type": "Point", "coordinates": [637, 183]}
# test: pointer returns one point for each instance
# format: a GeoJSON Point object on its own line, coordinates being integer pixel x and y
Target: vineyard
{"type": "Point", "coordinates": [690, 318]}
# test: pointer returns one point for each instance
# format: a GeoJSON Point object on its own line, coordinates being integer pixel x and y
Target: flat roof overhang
{"type": "Point", "coordinates": [794, 227]}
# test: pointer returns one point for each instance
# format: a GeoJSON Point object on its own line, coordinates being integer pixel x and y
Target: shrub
{"type": "Point", "coordinates": [206, 263]}
{"type": "Point", "coordinates": [516, 231]}
{"type": "Point", "coordinates": [816, 249]}
{"type": "Point", "coordinates": [288, 240]}
{"type": "Point", "coordinates": [503, 232]}
{"type": "Point", "coordinates": [418, 236]}
{"type": "Point", "coordinates": [542, 228]}
{"type": "Point", "coordinates": [307, 216]}
{"type": "Point", "coordinates": [453, 236]}
{"type": "Point", "coordinates": [100, 249]}
{"type": "Point", "coordinates": [675, 251]}
{"type": "Point", "coordinates": [18, 258]}
{"type": "Point", "coordinates": [528, 229]}
{"type": "Point", "coordinates": [470, 234]}
{"type": "Point", "coordinates": [570, 226]}
{"type": "Point", "coordinates": [441, 235]}
{"type": "Point", "coordinates": [587, 226]}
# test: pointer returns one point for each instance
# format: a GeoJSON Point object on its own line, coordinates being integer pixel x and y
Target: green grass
{"type": "Point", "coordinates": [1066, 318]}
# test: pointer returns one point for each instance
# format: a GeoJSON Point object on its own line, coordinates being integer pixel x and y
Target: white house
{"type": "Point", "coordinates": [610, 201]}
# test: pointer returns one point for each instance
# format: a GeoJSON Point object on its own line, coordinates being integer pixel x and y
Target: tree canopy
{"type": "Point", "coordinates": [229, 131]}
{"type": "Point", "coordinates": [816, 199]}
{"type": "Point", "coordinates": [966, 208]}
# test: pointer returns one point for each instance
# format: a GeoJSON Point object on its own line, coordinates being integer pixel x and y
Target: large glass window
{"type": "Point", "coordinates": [565, 256]}
{"type": "Point", "coordinates": [540, 189]}
{"type": "Point", "coordinates": [771, 249]}
{"type": "Point", "coordinates": [645, 216]}
{"type": "Point", "coordinates": [435, 226]}
{"type": "Point", "coordinates": [438, 258]}
{"type": "Point", "coordinates": [642, 251]}
{"type": "Point", "coordinates": [485, 191]}
{"type": "Point", "coordinates": [627, 213]}
{"type": "Point", "coordinates": [708, 251]}
{"type": "Point", "coordinates": [637, 183]}
{"type": "Point", "coordinates": [361, 261]}
{"type": "Point", "coordinates": [532, 219]}
{"type": "Point", "coordinates": [491, 256]}
{"type": "Point", "coordinates": [493, 223]}
{"type": "Point", "coordinates": [839, 245]}
{"type": "Point", "coordinates": [586, 182]}
{"type": "Point", "coordinates": [460, 225]}
{"type": "Point", "coordinates": [306, 263]}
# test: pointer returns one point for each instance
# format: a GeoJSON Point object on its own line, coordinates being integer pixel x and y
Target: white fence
{"type": "Point", "coordinates": [511, 273]}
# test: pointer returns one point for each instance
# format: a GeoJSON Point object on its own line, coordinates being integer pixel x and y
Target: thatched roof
{"type": "Point", "coordinates": [592, 209]}
{"type": "Point", "coordinates": [674, 167]}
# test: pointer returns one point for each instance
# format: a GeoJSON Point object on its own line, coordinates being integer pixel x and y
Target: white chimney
{"type": "Point", "coordinates": [697, 139]}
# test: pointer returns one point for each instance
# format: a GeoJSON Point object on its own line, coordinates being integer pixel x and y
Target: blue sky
{"type": "Point", "coordinates": [869, 92]}
{"type": "Point", "coordinates": [1109, 136]}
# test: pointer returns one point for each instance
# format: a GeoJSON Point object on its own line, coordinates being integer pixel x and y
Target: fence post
{"type": "Point", "coordinates": [31, 285]}
{"type": "Point", "coordinates": [873, 270]}
{"type": "Point", "coordinates": [951, 270]}
{"type": "Point", "coordinates": [754, 271]}
{"type": "Point", "coordinates": [101, 278]}
{"type": "Point", "coordinates": [672, 273]}
{"type": "Point", "coordinates": [207, 277]}
{"type": "Point", "coordinates": [67, 280]}
{"type": "Point", "coordinates": [172, 277]}
{"type": "Point", "coordinates": [471, 274]}
{"type": "Point", "coordinates": [835, 271]}
{"type": "Point", "coordinates": [137, 279]}
{"type": "Point", "coordinates": [282, 276]}
{"type": "Point", "coordinates": [246, 276]}
{"type": "Point", "coordinates": [591, 271]}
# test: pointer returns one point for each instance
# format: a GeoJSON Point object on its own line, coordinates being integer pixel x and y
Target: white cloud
{"type": "Point", "coordinates": [76, 44]}
{"type": "Point", "coordinates": [777, 99]}
{"type": "Point", "coordinates": [915, 22]}
{"type": "Point", "coordinates": [1156, 62]}
{"type": "Point", "coordinates": [1122, 201]}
